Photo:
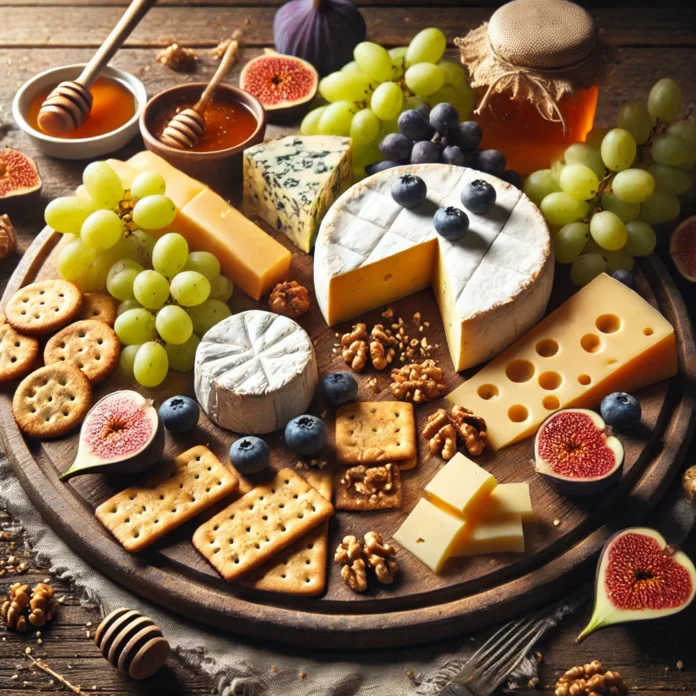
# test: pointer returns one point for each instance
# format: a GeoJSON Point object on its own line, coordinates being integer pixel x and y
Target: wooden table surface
{"type": "Point", "coordinates": [655, 657]}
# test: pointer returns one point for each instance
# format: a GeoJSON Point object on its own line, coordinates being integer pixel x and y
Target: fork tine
{"type": "Point", "coordinates": [505, 643]}
{"type": "Point", "coordinates": [500, 635]}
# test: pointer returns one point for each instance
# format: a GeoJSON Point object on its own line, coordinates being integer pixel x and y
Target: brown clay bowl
{"type": "Point", "coordinates": [219, 169]}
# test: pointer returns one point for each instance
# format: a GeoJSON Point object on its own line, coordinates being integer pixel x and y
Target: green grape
{"type": "Point", "coordinates": [135, 326]}
{"type": "Point", "coordinates": [427, 46]}
{"type": "Point", "coordinates": [346, 86]}
{"type": "Point", "coordinates": [182, 358]}
{"type": "Point", "coordinates": [310, 123]}
{"type": "Point", "coordinates": [170, 254]}
{"type": "Point", "coordinates": [626, 211]}
{"type": "Point", "coordinates": [101, 230]}
{"type": "Point", "coordinates": [67, 214]}
{"type": "Point", "coordinates": [74, 258]}
{"type": "Point", "coordinates": [221, 288]}
{"type": "Point", "coordinates": [174, 325]}
{"type": "Point", "coordinates": [386, 101]}
{"type": "Point", "coordinates": [633, 185]}
{"type": "Point", "coordinates": [587, 267]}
{"type": "Point", "coordinates": [660, 208]}
{"type": "Point", "coordinates": [128, 304]}
{"type": "Point", "coordinates": [595, 136]}
{"type": "Point", "coordinates": [190, 288]}
{"type": "Point", "coordinates": [561, 209]}
{"type": "Point", "coordinates": [454, 73]}
{"type": "Point", "coordinates": [619, 260]}
{"type": "Point", "coordinates": [570, 240]}
{"type": "Point", "coordinates": [641, 238]}
{"type": "Point", "coordinates": [368, 154]}
{"type": "Point", "coordinates": [365, 126]}
{"type": "Point", "coordinates": [391, 126]}
{"type": "Point", "coordinates": [120, 279]}
{"type": "Point", "coordinates": [618, 149]}
{"type": "Point", "coordinates": [127, 359]}
{"type": "Point", "coordinates": [664, 100]}
{"type": "Point", "coordinates": [579, 181]}
{"type": "Point", "coordinates": [414, 102]}
{"type": "Point", "coordinates": [204, 262]}
{"type": "Point", "coordinates": [424, 79]}
{"type": "Point", "coordinates": [82, 192]}
{"type": "Point", "coordinates": [608, 230]}
{"type": "Point", "coordinates": [593, 248]}
{"type": "Point", "coordinates": [206, 315]}
{"type": "Point", "coordinates": [151, 289]}
{"type": "Point", "coordinates": [670, 179]}
{"type": "Point", "coordinates": [147, 184]}
{"type": "Point", "coordinates": [373, 60]}
{"type": "Point", "coordinates": [582, 153]}
{"type": "Point", "coordinates": [556, 169]}
{"type": "Point", "coordinates": [337, 118]}
{"type": "Point", "coordinates": [144, 242]}
{"type": "Point", "coordinates": [686, 130]}
{"type": "Point", "coordinates": [540, 184]}
{"type": "Point", "coordinates": [671, 150]}
{"type": "Point", "coordinates": [154, 212]}
{"type": "Point", "coordinates": [635, 118]}
{"type": "Point", "coordinates": [352, 67]}
{"type": "Point", "coordinates": [103, 185]}
{"type": "Point", "coordinates": [461, 99]}
{"type": "Point", "coordinates": [128, 248]}
{"type": "Point", "coordinates": [94, 277]}
{"type": "Point", "coordinates": [398, 58]}
{"type": "Point", "coordinates": [151, 364]}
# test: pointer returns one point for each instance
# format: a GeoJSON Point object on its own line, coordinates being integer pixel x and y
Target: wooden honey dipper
{"type": "Point", "coordinates": [186, 128]}
{"type": "Point", "coordinates": [68, 105]}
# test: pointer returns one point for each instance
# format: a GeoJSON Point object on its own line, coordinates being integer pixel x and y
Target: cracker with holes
{"type": "Point", "coordinates": [90, 345]}
{"type": "Point", "coordinates": [18, 353]}
{"type": "Point", "coordinates": [43, 307]}
{"type": "Point", "coordinates": [256, 527]}
{"type": "Point", "coordinates": [165, 499]}
{"type": "Point", "coordinates": [99, 306]}
{"type": "Point", "coordinates": [51, 401]}
{"type": "Point", "coordinates": [299, 569]}
{"type": "Point", "coordinates": [379, 431]}
{"type": "Point", "coordinates": [369, 487]}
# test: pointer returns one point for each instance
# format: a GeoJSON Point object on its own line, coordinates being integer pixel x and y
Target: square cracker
{"type": "Point", "coordinates": [165, 499]}
{"type": "Point", "coordinates": [260, 524]}
{"type": "Point", "coordinates": [348, 498]}
{"type": "Point", "coordinates": [377, 431]}
{"type": "Point", "coordinates": [299, 569]}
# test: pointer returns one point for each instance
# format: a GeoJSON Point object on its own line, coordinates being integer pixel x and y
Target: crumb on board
{"type": "Point", "coordinates": [178, 58]}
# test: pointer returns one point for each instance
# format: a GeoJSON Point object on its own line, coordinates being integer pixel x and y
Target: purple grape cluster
{"type": "Point", "coordinates": [435, 135]}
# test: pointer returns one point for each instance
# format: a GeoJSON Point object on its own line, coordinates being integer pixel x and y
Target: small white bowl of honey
{"type": "Point", "coordinates": [118, 99]}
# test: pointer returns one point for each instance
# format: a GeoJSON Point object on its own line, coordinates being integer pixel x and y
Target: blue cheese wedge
{"type": "Point", "coordinates": [291, 182]}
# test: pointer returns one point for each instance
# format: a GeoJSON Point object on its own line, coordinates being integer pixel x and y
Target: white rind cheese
{"type": "Point", "coordinates": [254, 372]}
{"type": "Point", "coordinates": [492, 285]}
{"type": "Point", "coordinates": [291, 182]}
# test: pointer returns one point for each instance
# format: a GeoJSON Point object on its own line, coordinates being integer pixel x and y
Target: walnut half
{"type": "Point", "coordinates": [379, 557]}
{"type": "Point", "coordinates": [443, 429]}
{"type": "Point", "coordinates": [418, 383]}
{"type": "Point", "coordinates": [289, 299]}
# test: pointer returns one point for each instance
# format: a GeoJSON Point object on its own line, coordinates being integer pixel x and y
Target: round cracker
{"type": "Point", "coordinates": [51, 401]}
{"type": "Point", "coordinates": [99, 306]}
{"type": "Point", "coordinates": [43, 307]}
{"type": "Point", "coordinates": [90, 345]}
{"type": "Point", "coordinates": [17, 352]}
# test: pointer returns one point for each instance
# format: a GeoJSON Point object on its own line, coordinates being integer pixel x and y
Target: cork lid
{"type": "Point", "coordinates": [542, 34]}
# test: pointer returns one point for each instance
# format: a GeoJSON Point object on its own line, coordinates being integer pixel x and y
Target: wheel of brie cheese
{"type": "Point", "coordinates": [492, 285]}
{"type": "Point", "coordinates": [254, 372]}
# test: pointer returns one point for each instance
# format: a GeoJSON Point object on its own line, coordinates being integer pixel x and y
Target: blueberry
{"type": "Point", "coordinates": [339, 388]}
{"type": "Point", "coordinates": [409, 190]}
{"type": "Point", "coordinates": [380, 166]}
{"type": "Point", "coordinates": [478, 196]}
{"type": "Point", "coordinates": [452, 155]}
{"type": "Point", "coordinates": [491, 162]}
{"type": "Point", "coordinates": [444, 118]}
{"type": "Point", "coordinates": [425, 152]}
{"type": "Point", "coordinates": [413, 125]}
{"type": "Point", "coordinates": [250, 455]}
{"type": "Point", "coordinates": [305, 434]}
{"type": "Point", "coordinates": [469, 135]}
{"type": "Point", "coordinates": [513, 178]}
{"type": "Point", "coordinates": [620, 410]}
{"type": "Point", "coordinates": [451, 223]}
{"type": "Point", "coordinates": [625, 277]}
{"type": "Point", "coordinates": [396, 147]}
{"type": "Point", "coordinates": [179, 414]}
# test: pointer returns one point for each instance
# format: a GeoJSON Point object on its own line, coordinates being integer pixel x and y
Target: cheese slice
{"type": "Point", "coordinates": [291, 182]}
{"type": "Point", "coordinates": [605, 338]}
{"type": "Point", "coordinates": [509, 499]}
{"type": "Point", "coordinates": [492, 285]}
{"type": "Point", "coordinates": [254, 372]}
{"type": "Point", "coordinates": [494, 536]}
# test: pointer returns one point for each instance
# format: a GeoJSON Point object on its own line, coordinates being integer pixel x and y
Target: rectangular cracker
{"type": "Point", "coordinates": [257, 526]}
{"type": "Point", "coordinates": [171, 495]}
{"type": "Point", "coordinates": [377, 431]}
{"type": "Point", "coordinates": [407, 464]}
{"type": "Point", "coordinates": [300, 569]}
{"type": "Point", "coordinates": [348, 498]}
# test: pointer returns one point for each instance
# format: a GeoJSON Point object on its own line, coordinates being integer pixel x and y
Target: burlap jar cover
{"type": "Point", "coordinates": [536, 50]}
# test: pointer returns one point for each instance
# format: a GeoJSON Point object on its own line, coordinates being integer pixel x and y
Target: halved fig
{"type": "Point", "coordinates": [122, 434]}
{"type": "Point", "coordinates": [639, 576]}
{"type": "Point", "coordinates": [19, 175]}
{"type": "Point", "coordinates": [682, 248]}
{"type": "Point", "coordinates": [576, 452]}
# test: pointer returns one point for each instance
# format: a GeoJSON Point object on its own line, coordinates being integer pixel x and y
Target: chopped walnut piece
{"type": "Point", "coordinates": [355, 575]}
{"type": "Point", "coordinates": [378, 556]}
{"type": "Point", "coordinates": [441, 434]}
{"type": "Point", "coordinates": [289, 299]}
{"type": "Point", "coordinates": [355, 350]}
{"type": "Point", "coordinates": [443, 429]}
{"type": "Point", "coordinates": [178, 58]}
{"type": "Point", "coordinates": [418, 383]}
{"type": "Point", "coordinates": [382, 347]}
{"type": "Point", "coordinates": [348, 550]}
{"type": "Point", "coordinates": [588, 680]}
{"type": "Point", "coordinates": [471, 428]}
{"type": "Point", "coordinates": [23, 607]}
{"type": "Point", "coordinates": [370, 480]}
{"type": "Point", "coordinates": [8, 237]}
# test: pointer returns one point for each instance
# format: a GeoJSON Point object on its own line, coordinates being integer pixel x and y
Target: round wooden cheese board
{"type": "Point", "coordinates": [561, 546]}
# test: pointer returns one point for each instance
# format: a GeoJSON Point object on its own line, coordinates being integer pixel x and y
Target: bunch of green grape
{"type": "Point", "coordinates": [367, 95]}
{"type": "Point", "coordinates": [166, 309]}
{"type": "Point", "coordinates": [603, 200]}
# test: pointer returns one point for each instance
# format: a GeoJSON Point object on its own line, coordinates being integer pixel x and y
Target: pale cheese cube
{"type": "Point", "coordinates": [494, 536]}
{"type": "Point", "coordinates": [509, 499]}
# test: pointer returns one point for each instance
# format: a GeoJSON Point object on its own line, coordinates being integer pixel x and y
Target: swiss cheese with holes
{"type": "Point", "coordinates": [605, 338]}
